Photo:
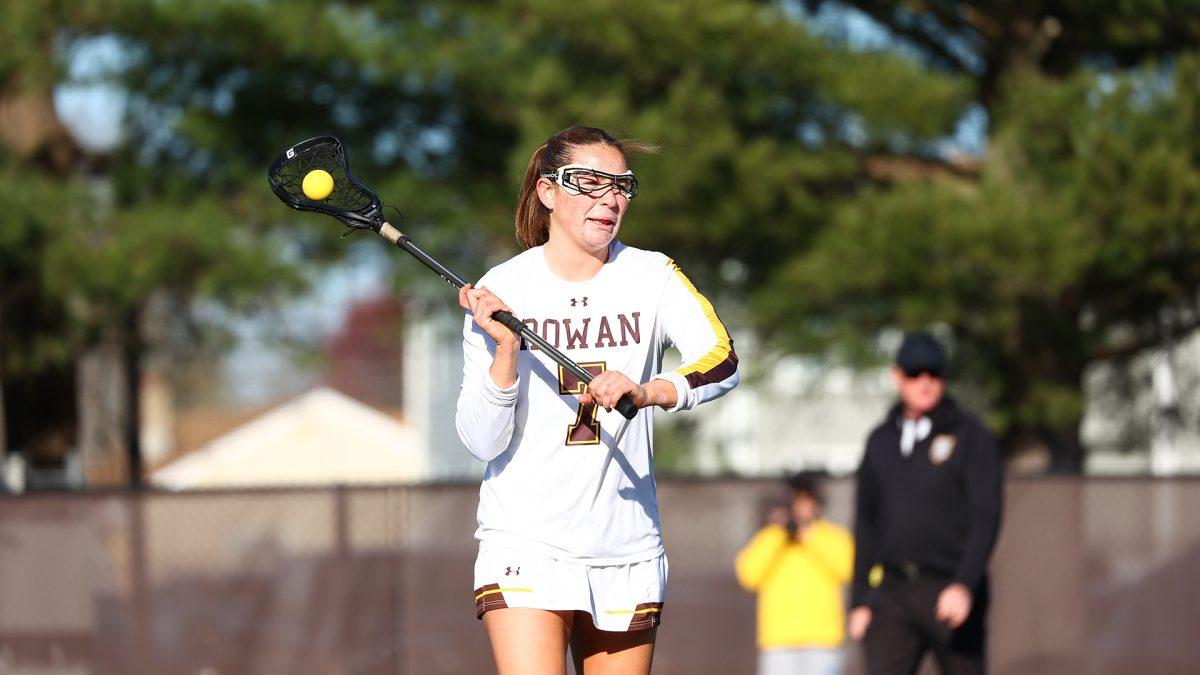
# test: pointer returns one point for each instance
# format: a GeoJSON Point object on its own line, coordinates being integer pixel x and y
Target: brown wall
{"type": "Point", "coordinates": [1090, 576]}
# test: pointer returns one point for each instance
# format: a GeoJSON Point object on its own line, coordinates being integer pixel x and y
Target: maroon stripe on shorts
{"type": "Point", "coordinates": [486, 603]}
{"type": "Point", "coordinates": [646, 620]}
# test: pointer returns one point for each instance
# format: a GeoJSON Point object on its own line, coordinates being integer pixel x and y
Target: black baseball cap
{"type": "Point", "coordinates": [921, 353]}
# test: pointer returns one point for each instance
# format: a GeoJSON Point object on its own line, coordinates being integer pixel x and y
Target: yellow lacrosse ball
{"type": "Point", "coordinates": [317, 185]}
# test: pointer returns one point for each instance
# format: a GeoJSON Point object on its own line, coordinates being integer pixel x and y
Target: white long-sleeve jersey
{"type": "Point", "coordinates": [576, 482]}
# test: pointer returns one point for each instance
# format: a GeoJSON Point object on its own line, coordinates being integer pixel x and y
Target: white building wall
{"type": "Point", "coordinates": [433, 364]}
{"type": "Point", "coordinates": [1143, 417]}
{"type": "Point", "coordinates": [791, 413]}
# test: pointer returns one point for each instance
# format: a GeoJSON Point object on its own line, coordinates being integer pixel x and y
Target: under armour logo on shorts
{"type": "Point", "coordinates": [512, 572]}
{"type": "Point", "coordinates": [580, 301]}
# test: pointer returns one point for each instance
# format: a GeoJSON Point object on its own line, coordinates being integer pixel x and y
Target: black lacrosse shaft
{"type": "Point", "coordinates": [625, 405]}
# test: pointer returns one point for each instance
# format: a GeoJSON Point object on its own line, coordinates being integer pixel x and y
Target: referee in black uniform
{"type": "Point", "coordinates": [928, 512]}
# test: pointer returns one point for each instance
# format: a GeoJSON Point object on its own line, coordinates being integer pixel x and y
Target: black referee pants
{"type": "Point", "coordinates": [904, 627]}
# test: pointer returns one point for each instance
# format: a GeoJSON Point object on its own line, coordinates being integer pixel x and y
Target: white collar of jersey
{"type": "Point", "coordinates": [913, 432]}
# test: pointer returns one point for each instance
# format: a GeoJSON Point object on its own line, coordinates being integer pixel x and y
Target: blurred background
{"type": "Point", "coordinates": [226, 433]}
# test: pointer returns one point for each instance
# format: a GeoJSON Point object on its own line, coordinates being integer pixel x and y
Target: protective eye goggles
{"type": "Point", "coordinates": [578, 179]}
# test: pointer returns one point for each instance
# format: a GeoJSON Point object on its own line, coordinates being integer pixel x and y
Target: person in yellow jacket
{"type": "Point", "coordinates": [799, 565]}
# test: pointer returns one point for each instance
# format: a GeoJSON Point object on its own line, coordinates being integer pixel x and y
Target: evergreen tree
{"type": "Point", "coordinates": [797, 172]}
{"type": "Point", "coordinates": [1077, 244]}
{"type": "Point", "coordinates": [176, 218]}
{"type": "Point", "coordinates": [763, 126]}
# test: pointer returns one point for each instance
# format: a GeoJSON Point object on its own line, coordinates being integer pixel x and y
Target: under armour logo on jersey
{"type": "Point", "coordinates": [512, 571]}
{"type": "Point", "coordinates": [579, 301]}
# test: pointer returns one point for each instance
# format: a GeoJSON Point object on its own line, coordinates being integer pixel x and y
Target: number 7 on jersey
{"type": "Point", "coordinates": [585, 430]}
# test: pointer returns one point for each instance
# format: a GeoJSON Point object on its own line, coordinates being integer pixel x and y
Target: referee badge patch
{"type": "Point", "coordinates": [941, 448]}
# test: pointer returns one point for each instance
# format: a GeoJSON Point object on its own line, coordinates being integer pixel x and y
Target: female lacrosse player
{"type": "Point", "coordinates": [570, 552]}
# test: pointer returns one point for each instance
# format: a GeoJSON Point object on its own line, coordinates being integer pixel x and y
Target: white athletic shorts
{"type": "Point", "coordinates": [619, 597]}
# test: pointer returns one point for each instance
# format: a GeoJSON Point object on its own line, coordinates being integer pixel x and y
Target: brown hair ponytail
{"type": "Point", "coordinates": [532, 217]}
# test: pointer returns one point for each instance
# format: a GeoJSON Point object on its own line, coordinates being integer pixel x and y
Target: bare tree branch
{"type": "Point", "coordinates": [886, 15]}
{"type": "Point", "coordinates": [909, 168]}
{"type": "Point", "coordinates": [30, 128]}
{"type": "Point", "coordinates": [1146, 341]}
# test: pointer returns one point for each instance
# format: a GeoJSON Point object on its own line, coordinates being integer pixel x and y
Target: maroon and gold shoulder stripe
{"type": "Point", "coordinates": [721, 361]}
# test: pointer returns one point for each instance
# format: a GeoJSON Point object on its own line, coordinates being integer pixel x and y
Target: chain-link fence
{"type": "Point", "coordinates": [1092, 576]}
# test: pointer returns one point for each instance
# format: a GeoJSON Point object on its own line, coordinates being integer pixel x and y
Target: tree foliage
{"type": "Point", "coordinates": [801, 174]}
{"type": "Point", "coordinates": [989, 41]}
{"type": "Point", "coordinates": [1078, 243]}
{"type": "Point", "coordinates": [762, 124]}
{"type": "Point", "coordinates": [175, 219]}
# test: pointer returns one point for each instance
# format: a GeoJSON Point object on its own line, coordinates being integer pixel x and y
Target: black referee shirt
{"type": "Point", "coordinates": [937, 508]}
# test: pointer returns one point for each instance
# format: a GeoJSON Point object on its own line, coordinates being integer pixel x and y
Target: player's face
{"type": "Point", "coordinates": [590, 221]}
{"type": "Point", "coordinates": [920, 393]}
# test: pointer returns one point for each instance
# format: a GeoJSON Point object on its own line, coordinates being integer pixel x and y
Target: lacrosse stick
{"type": "Point", "coordinates": [314, 176]}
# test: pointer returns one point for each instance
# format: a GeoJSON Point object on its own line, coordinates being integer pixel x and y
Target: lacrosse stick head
{"type": "Point", "coordinates": [350, 201]}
